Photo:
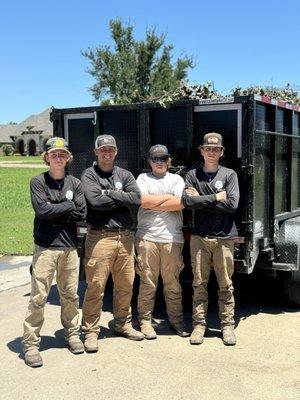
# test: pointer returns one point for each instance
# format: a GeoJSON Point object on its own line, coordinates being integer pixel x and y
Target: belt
{"type": "Point", "coordinates": [94, 228]}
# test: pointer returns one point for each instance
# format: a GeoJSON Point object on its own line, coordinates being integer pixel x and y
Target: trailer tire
{"type": "Point", "coordinates": [291, 285]}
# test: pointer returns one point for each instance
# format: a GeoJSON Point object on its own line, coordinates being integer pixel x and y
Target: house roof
{"type": "Point", "coordinates": [40, 122]}
{"type": "Point", "coordinates": [6, 131]}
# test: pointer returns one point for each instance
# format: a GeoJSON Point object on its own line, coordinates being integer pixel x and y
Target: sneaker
{"type": "Point", "coordinates": [75, 345]}
{"type": "Point", "coordinates": [180, 329]}
{"type": "Point", "coordinates": [197, 336]}
{"type": "Point", "coordinates": [229, 338]}
{"type": "Point", "coordinates": [148, 331]}
{"type": "Point", "coordinates": [33, 358]}
{"type": "Point", "coordinates": [91, 343]}
{"type": "Point", "coordinates": [129, 333]}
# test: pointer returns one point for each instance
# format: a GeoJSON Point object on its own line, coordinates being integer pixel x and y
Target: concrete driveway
{"type": "Point", "coordinates": [263, 365]}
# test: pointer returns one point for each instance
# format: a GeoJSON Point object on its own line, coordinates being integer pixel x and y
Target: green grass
{"type": "Point", "coordinates": [25, 159]}
{"type": "Point", "coordinates": [16, 213]}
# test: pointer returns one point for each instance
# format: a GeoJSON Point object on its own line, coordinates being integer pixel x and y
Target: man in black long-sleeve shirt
{"type": "Point", "coordinates": [58, 202]}
{"type": "Point", "coordinates": [213, 192]}
{"type": "Point", "coordinates": [110, 192]}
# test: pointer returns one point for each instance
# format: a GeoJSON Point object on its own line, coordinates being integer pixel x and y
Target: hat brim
{"type": "Point", "coordinates": [159, 155]}
{"type": "Point", "coordinates": [106, 145]}
{"type": "Point", "coordinates": [212, 145]}
{"type": "Point", "coordinates": [58, 148]}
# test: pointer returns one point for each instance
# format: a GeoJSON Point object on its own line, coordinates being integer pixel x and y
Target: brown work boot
{"type": "Point", "coordinates": [75, 345]}
{"type": "Point", "coordinates": [129, 332]}
{"type": "Point", "coordinates": [180, 329]}
{"type": "Point", "coordinates": [33, 358]}
{"type": "Point", "coordinates": [197, 336]}
{"type": "Point", "coordinates": [229, 338]}
{"type": "Point", "coordinates": [91, 342]}
{"type": "Point", "coordinates": [148, 331]}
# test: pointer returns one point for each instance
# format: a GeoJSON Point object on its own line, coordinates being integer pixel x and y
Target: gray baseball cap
{"type": "Point", "coordinates": [158, 150]}
{"type": "Point", "coordinates": [105, 140]}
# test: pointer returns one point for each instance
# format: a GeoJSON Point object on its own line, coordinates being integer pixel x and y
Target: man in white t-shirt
{"type": "Point", "coordinates": [159, 241]}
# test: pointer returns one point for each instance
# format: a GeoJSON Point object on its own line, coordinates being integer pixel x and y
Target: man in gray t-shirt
{"type": "Point", "coordinates": [159, 241]}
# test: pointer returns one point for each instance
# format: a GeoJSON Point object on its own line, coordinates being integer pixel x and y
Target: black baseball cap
{"type": "Point", "coordinates": [212, 139]}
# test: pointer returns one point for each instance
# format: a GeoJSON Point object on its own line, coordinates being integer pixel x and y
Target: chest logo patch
{"type": "Point", "coordinates": [118, 185]}
{"type": "Point", "coordinates": [69, 195]}
{"type": "Point", "coordinates": [219, 185]}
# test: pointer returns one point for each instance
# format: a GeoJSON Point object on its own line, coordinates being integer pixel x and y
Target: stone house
{"type": "Point", "coordinates": [29, 136]}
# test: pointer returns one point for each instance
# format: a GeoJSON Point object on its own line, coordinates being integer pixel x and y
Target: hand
{"type": "Point", "coordinates": [191, 191]}
{"type": "Point", "coordinates": [221, 196]}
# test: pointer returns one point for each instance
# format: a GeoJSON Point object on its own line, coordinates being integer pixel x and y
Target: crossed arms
{"type": "Point", "coordinates": [163, 202]}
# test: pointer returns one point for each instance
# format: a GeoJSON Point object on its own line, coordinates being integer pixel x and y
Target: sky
{"type": "Point", "coordinates": [234, 43]}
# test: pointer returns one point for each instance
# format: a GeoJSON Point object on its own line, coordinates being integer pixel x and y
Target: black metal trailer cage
{"type": "Point", "coordinates": [262, 144]}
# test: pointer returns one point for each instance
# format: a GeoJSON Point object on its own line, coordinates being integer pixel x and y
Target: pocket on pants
{"type": "Point", "coordinates": [90, 269]}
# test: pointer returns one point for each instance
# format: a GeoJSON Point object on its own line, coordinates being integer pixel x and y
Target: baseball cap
{"type": "Point", "coordinates": [158, 150]}
{"type": "Point", "coordinates": [105, 140]}
{"type": "Point", "coordinates": [212, 139]}
{"type": "Point", "coordinates": [56, 143]}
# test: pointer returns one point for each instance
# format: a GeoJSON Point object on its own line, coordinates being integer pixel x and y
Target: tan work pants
{"type": "Point", "coordinates": [203, 250]}
{"type": "Point", "coordinates": [107, 252]}
{"type": "Point", "coordinates": [154, 259]}
{"type": "Point", "coordinates": [44, 265]}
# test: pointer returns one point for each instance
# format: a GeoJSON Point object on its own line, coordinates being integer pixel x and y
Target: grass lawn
{"type": "Point", "coordinates": [25, 159]}
{"type": "Point", "coordinates": [16, 214]}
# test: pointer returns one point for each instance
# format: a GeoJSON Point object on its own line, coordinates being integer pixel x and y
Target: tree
{"type": "Point", "coordinates": [134, 71]}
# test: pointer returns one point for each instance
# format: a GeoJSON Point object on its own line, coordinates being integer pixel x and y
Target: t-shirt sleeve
{"type": "Point", "coordinates": [179, 186]}
{"type": "Point", "coordinates": [141, 182]}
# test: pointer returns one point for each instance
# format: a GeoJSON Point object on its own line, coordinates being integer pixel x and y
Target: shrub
{"type": "Point", "coordinates": [7, 149]}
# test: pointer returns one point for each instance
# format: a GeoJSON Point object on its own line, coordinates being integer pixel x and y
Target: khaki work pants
{"type": "Point", "coordinates": [107, 252]}
{"type": "Point", "coordinates": [203, 250]}
{"type": "Point", "coordinates": [44, 265]}
{"type": "Point", "coordinates": [155, 259]}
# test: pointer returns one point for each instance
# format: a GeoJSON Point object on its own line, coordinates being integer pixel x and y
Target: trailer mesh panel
{"type": "Point", "coordinates": [82, 148]}
{"type": "Point", "coordinates": [172, 128]}
{"type": "Point", "coordinates": [123, 125]}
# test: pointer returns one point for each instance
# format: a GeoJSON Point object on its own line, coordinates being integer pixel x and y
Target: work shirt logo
{"type": "Point", "coordinates": [118, 186]}
{"type": "Point", "coordinates": [219, 185]}
{"type": "Point", "coordinates": [69, 195]}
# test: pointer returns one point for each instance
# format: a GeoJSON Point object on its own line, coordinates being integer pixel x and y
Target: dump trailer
{"type": "Point", "coordinates": [262, 144]}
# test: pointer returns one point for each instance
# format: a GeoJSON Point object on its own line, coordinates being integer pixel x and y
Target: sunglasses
{"type": "Point", "coordinates": [158, 159]}
{"type": "Point", "coordinates": [59, 155]}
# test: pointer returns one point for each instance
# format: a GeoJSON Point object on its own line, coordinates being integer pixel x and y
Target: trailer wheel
{"type": "Point", "coordinates": [291, 285]}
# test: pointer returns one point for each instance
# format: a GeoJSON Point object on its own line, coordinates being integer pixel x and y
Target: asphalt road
{"type": "Point", "coordinates": [263, 365]}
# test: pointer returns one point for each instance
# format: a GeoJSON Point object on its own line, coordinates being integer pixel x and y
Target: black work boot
{"type": "Point", "coordinates": [180, 329]}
